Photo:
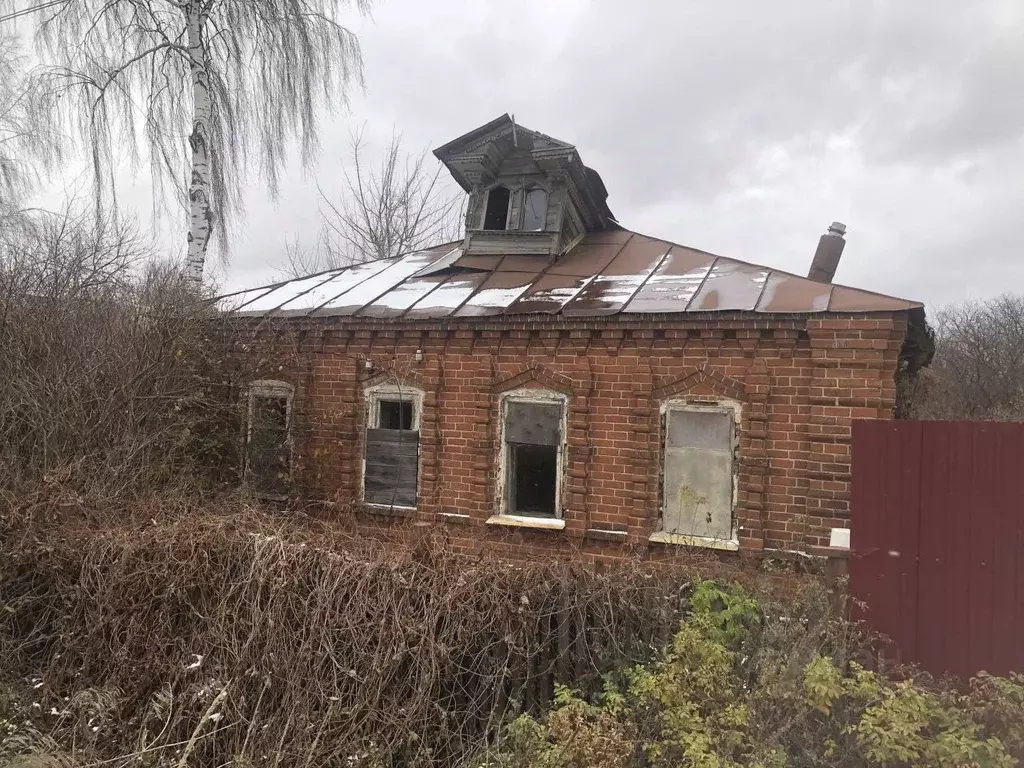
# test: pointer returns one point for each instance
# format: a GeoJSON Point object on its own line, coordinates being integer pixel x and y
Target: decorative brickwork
{"type": "Point", "coordinates": [801, 380]}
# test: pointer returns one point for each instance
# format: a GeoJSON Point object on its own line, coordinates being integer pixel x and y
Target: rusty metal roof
{"type": "Point", "coordinates": [606, 273]}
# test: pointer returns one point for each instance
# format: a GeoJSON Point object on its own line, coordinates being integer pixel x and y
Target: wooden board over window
{"type": "Point", "coordinates": [392, 461]}
{"type": "Point", "coordinates": [698, 479]}
{"type": "Point", "coordinates": [533, 423]}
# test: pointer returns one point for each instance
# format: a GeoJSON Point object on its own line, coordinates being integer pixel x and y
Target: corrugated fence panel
{"type": "Point", "coordinates": [938, 540]}
{"type": "Point", "coordinates": [887, 486]}
{"type": "Point", "coordinates": [936, 565]}
{"type": "Point", "coordinates": [1007, 620]}
{"type": "Point", "coordinates": [982, 521]}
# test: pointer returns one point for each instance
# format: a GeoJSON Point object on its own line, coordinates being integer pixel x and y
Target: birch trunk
{"type": "Point", "coordinates": [200, 192]}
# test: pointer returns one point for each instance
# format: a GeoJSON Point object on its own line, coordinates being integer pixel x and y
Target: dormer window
{"type": "Point", "coordinates": [496, 215]}
{"type": "Point", "coordinates": [536, 212]}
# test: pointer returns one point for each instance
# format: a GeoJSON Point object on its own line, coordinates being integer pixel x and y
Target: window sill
{"type": "Point", "coordinates": [388, 510]}
{"type": "Point", "coordinates": [705, 542]}
{"type": "Point", "coordinates": [524, 521]}
{"type": "Point", "coordinates": [604, 534]}
{"type": "Point", "coordinates": [456, 517]}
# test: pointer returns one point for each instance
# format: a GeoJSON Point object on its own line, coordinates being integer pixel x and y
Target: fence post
{"type": "Point", "coordinates": [837, 577]}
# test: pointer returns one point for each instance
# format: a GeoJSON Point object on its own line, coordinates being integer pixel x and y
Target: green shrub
{"type": "Point", "coordinates": [698, 706]}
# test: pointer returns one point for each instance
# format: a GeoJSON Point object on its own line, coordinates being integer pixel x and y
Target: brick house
{"type": "Point", "coordinates": [555, 380]}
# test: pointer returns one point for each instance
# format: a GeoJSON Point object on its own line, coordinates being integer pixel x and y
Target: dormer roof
{"type": "Point", "coordinates": [479, 157]}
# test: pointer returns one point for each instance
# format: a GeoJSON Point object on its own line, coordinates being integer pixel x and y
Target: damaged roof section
{"type": "Point", "coordinates": [606, 273]}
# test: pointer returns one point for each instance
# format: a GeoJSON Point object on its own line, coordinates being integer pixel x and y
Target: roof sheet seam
{"type": "Point", "coordinates": [696, 293]}
{"type": "Point", "coordinates": [370, 276]}
{"type": "Point", "coordinates": [644, 282]}
{"type": "Point", "coordinates": [760, 294]}
{"type": "Point", "coordinates": [444, 281]}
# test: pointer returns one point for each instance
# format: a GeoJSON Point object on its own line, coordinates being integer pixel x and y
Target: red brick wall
{"type": "Point", "coordinates": [800, 381]}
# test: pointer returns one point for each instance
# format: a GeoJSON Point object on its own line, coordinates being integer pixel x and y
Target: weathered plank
{"type": "Point", "coordinates": [392, 467]}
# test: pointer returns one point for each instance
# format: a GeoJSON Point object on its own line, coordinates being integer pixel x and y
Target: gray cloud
{"type": "Point", "coordinates": [741, 128]}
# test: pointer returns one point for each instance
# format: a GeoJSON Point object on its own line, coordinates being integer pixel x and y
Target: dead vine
{"type": "Point", "coordinates": [209, 639]}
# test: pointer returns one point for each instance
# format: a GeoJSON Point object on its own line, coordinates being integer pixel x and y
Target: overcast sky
{"type": "Point", "coordinates": [742, 128]}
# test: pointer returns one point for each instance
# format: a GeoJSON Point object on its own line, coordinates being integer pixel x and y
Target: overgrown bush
{"type": "Point", "coordinates": [700, 706]}
{"type": "Point", "coordinates": [277, 642]}
{"type": "Point", "coordinates": [111, 383]}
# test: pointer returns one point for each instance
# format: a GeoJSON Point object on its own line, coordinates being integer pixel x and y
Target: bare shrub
{"type": "Point", "coordinates": [978, 369]}
{"type": "Point", "coordinates": [107, 382]}
{"type": "Point", "coordinates": [248, 639]}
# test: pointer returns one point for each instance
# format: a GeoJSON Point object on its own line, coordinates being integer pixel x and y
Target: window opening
{"type": "Point", "coordinates": [533, 436]}
{"type": "Point", "coordinates": [496, 214]}
{"type": "Point", "coordinates": [534, 479]}
{"type": "Point", "coordinates": [267, 449]}
{"type": "Point", "coordinates": [395, 414]}
{"type": "Point", "coordinates": [536, 214]}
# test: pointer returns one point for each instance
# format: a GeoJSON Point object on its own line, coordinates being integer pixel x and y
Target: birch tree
{"type": "Point", "coordinates": [202, 91]}
{"type": "Point", "coordinates": [389, 205]}
{"type": "Point", "coordinates": [29, 147]}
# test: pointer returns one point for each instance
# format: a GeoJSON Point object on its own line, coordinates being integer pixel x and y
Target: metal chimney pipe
{"type": "Point", "coordinates": [830, 249]}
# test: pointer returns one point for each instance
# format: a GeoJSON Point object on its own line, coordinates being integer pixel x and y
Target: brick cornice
{"type": "Point", "coordinates": [719, 383]}
{"type": "Point", "coordinates": [539, 373]}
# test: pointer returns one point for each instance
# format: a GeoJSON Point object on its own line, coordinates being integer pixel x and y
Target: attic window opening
{"type": "Point", "coordinates": [496, 214]}
{"type": "Point", "coordinates": [536, 214]}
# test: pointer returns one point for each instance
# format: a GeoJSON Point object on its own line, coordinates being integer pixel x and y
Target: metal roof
{"type": "Point", "coordinates": [606, 273]}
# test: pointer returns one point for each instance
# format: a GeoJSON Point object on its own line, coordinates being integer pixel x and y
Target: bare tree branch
{"type": "Point", "coordinates": [30, 147]}
{"type": "Point", "coordinates": [396, 206]}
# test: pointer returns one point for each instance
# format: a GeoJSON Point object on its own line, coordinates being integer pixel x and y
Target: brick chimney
{"type": "Point", "coordinates": [826, 258]}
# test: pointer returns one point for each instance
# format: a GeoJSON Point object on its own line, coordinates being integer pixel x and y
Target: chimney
{"type": "Point", "coordinates": [826, 258]}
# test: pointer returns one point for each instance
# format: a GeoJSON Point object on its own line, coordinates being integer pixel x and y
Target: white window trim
{"type": "Point", "coordinates": [702, 404]}
{"type": "Point", "coordinates": [269, 388]}
{"type": "Point", "coordinates": [504, 516]}
{"type": "Point", "coordinates": [373, 396]}
{"type": "Point", "coordinates": [401, 392]}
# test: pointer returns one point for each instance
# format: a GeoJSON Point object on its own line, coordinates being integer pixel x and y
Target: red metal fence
{"type": "Point", "coordinates": [938, 541]}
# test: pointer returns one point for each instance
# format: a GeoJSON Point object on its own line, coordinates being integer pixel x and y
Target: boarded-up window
{"type": "Point", "coordinates": [392, 446]}
{"type": "Point", "coordinates": [267, 449]}
{"type": "Point", "coordinates": [698, 476]}
{"type": "Point", "coordinates": [392, 461]}
{"type": "Point", "coordinates": [533, 437]}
